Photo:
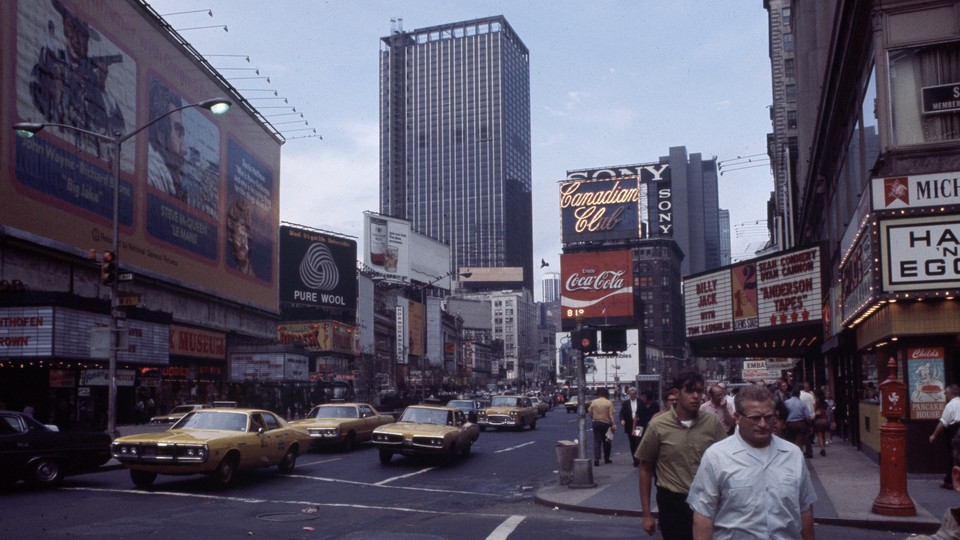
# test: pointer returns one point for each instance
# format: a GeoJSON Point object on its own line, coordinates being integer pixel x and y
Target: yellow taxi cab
{"type": "Point", "coordinates": [342, 424]}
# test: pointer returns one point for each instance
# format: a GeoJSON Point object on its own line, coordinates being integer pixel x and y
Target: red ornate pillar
{"type": "Point", "coordinates": [893, 499]}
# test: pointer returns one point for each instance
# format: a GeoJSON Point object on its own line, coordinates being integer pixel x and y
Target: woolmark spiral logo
{"type": "Point", "coordinates": [318, 270]}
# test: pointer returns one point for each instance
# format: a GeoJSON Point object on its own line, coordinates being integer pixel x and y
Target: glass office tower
{"type": "Point", "coordinates": [455, 140]}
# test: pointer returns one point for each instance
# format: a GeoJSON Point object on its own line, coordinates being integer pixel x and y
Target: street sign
{"type": "Point", "coordinates": [126, 276]}
{"type": "Point", "coordinates": [128, 300]}
{"type": "Point", "coordinates": [754, 364]}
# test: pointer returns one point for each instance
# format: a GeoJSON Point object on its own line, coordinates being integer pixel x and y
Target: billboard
{"type": "Point", "coordinates": [778, 290]}
{"type": "Point", "coordinates": [198, 192]}
{"type": "Point", "coordinates": [916, 191]}
{"type": "Point", "coordinates": [387, 245]}
{"type": "Point", "coordinates": [616, 203]}
{"type": "Point", "coordinates": [317, 269]}
{"type": "Point", "coordinates": [920, 253]}
{"type": "Point", "coordinates": [596, 287]}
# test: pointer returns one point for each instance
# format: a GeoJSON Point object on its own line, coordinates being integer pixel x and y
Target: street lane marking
{"type": "Point", "coordinates": [319, 462]}
{"type": "Point", "coordinates": [401, 477]}
{"type": "Point", "coordinates": [503, 531]}
{"type": "Point", "coordinates": [514, 447]}
{"type": "Point", "coordinates": [274, 501]}
{"type": "Point", "coordinates": [380, 485]}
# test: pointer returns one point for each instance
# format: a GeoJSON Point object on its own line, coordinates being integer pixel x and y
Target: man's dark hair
{"type": "Point", "coordinates": [687, 379]}
{"type": "Point", "coordinates": [603, 392]}
{"type": "Point", "coordinates": [646, 394]}
{"type": "Point", "coordinates": [953, 389]}
{"type": "Point", "coordinates": [795, 391]}
{"type": "Point", "coordinates": [752, 392]}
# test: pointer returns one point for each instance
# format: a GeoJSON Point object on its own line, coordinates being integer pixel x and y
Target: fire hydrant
{"type": "Point", "coordinates": [893, 499]}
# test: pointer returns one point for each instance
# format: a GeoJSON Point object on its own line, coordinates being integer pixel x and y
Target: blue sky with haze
{"type": "Point", "coordinates": [612, 82]}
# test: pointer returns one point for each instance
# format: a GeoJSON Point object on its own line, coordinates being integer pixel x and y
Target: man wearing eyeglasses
{"type": "Point", "coordinates": [752, 484]}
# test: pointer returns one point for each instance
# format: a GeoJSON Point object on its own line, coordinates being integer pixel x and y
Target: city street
{"type": "Point", "coordinates": [489, 494]}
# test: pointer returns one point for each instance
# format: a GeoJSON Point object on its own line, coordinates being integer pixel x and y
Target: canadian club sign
{"type": "Point", "coordinates": [597, 287]}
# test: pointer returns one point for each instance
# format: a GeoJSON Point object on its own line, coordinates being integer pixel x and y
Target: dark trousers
{"type": "Point", "coordinates": [634, 443]}
{"type": "Point", "coordinates": [948, 434]}
{"type": "Point", "coordinates": [799, 433]}
{"type": "Point", "coordinates": [675, 515]}
{"type": "Point", "coordinates": [600, 439]}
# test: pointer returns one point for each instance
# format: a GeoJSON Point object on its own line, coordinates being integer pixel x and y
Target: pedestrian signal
{"type": "Point", "coordinates": [108, 268]}
{"type": "Point", "coordinates": [614, 340]}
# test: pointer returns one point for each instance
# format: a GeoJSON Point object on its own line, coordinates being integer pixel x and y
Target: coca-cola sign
{"type": "Point", "coordinates": [597, 288]}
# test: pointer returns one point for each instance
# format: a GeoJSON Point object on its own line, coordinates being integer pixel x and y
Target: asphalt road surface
{"type": "Point", "coordinates": [487, 495]}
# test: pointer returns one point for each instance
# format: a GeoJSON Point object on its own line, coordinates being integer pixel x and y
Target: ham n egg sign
{"type": "Point", "coordinates": [775, 292]}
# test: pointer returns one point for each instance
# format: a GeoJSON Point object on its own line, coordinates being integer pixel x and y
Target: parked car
{"type": "Point", "coordinates": [341, 424]}
{"type": "Point", "coordinates": [42, 455]}
{"type": "Point", "coordinates": [470, 407]}
{"type": "Point", "coordinates": [508, 411]}
{"type": "Point", "coordinates": [216, 442]}
{"type": "Point", "coordinates": [177, 413]}
{"type": "Point", "coordinates": [428, 430]}
{"type": "Point", "coordinates": [541, 406]}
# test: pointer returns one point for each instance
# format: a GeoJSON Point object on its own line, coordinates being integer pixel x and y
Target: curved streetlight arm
{"type": "Point", "coordinates": [215, 106]}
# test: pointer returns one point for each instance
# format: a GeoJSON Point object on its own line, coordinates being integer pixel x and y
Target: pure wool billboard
{"type": "Point", "coordinates": [597, 288]}
{"type": "Point", "coordinates": [317, 269]}
{"type": "Point", "coordinates": [198, 192]}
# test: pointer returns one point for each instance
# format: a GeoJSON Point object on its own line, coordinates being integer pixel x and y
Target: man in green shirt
{"type": "Point", "coordinates": [673, 445]}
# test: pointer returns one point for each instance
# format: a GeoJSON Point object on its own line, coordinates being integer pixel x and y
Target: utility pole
{"type": "Point", "coordinates": [582, 466]}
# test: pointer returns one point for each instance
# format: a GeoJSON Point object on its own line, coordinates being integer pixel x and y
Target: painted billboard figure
{"type": "Point", "coordinates": [239, 232]}
{"type": "Point", "coordinates": [68, 86]}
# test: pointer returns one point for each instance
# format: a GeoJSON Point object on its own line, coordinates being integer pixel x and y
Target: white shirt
{"type": "Point", "coordinates": [752, 494]}
{"type": "Point", "coordinates": [809, 400]}
{"type": "Point", "coordinates": [951, 413]}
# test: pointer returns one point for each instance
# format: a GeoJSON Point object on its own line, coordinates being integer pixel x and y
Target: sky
{"type": "Point", "coordinates": [612, 82]}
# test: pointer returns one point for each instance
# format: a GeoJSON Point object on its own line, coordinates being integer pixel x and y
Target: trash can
{"type": "Point", "coordinates": [566, 453]}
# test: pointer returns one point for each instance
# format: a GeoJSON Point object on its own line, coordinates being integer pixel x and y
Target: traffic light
{"type": "Point", "coordinates": [108, 268]}
{"type": "Point", "coordinates": [585, 340]}
{"type": "Point", "coordinates": [614, 340]}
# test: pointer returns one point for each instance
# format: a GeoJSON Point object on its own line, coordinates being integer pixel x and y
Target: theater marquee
{"type": "Point", "coordinates": [764, 293]}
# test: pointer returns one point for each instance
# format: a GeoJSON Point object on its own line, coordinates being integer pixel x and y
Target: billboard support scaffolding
{"type": "Point", "coordinates": [29, 129]}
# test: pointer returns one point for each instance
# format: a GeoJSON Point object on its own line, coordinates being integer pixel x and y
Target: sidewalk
{"type": "Point", "coordinates": [847, 482]}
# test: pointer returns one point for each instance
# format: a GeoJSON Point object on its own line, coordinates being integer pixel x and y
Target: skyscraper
{"type": "Point", "coordinates": [455, 140]}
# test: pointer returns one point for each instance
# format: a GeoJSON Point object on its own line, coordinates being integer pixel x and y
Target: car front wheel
{"type": "Point", "coordinates": [46, 473]}
{"type": "Point", "coordinates": [142, 479]}
{"type": "Point", "coordinates": [533, 425]}
{"type": "Point", "coordinates": [225, 471]}
{"type": "Point", "coordinates": [385, 456]}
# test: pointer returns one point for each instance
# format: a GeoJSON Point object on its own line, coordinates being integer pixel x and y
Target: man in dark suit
{"type": "Point", "coordinates": [636, 413]}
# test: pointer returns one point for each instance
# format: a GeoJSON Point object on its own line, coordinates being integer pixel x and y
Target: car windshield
{"type": "Point", "coordinates": [333, 412]}
{"type": "Point", "coordinates": [227, 421]}
{"type": "Point", "coordinates": [425, 416]}
{"type": "Point", "coordinates": [503, 401]}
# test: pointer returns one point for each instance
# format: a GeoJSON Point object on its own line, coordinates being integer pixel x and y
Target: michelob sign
{"type": "Point", "coordinates": [597, 288]}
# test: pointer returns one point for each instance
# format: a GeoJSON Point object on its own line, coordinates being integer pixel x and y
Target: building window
{"type": "Point", "coordinates": [791, 119]}
{"type": "Point", "coordinates": [785, 16]}
{"type": "Point", "coordinates": [791, 93]}
{"type": "Point", "coordinates": [789, 68]}
{"type": "Point", "coordinates": [788, 42]}
{"type": "Point", "coordinates": [924, 111]}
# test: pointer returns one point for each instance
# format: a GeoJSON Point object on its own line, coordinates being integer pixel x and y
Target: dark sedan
{"type": "Point", "coordinates": [468, 406]}
{"type": "Point", "coordinates": [41, 455]}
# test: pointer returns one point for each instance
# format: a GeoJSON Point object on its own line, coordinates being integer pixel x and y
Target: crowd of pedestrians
{"type": "Point", "coordinates": [724, 466]}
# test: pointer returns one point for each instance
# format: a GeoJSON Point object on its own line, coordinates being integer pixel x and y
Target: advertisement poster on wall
{"type": "Point", "coordinates": [317, 270]}
{"type": "Point", "coordinates": [596, 288]}
{"type": "Point", "coordinates": [198, 193]}
{"type": "Point", "coordinates": [387, 247]}
{"type": "Point", "coordinates": [926, 381]}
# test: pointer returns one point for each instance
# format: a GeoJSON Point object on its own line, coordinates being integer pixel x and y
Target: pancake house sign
{"type": "Point", "coordinates": [768, 292]}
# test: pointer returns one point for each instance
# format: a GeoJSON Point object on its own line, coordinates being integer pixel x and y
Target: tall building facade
{"type": "Point", "coordinates": [876, 186]}
{"type": "Point", "coordinates": [551, 287]}
{"type": "Point", "coordinates": [455, 140]}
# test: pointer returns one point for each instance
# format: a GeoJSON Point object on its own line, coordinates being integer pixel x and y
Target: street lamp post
{"type": "Point", "coordinates": [29, 129]}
